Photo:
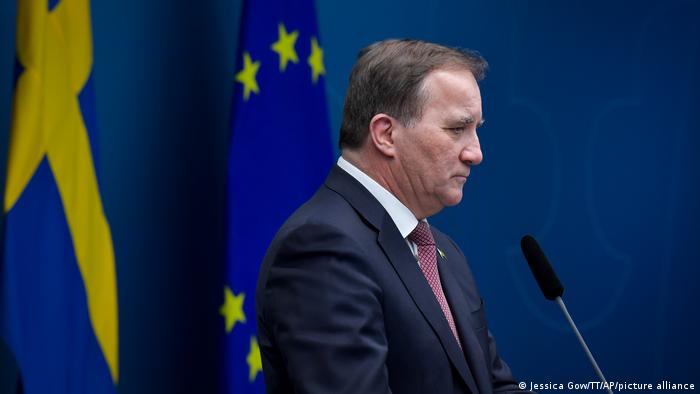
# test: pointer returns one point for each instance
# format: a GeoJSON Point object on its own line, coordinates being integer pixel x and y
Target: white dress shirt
{"type": "Point", "coordinates": [403, 218]}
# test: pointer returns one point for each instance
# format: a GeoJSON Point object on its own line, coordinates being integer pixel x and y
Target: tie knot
{"type": "Point", "coordinates": [421, 235]}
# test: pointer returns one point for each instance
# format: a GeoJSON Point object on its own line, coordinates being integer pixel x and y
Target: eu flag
{"type": "Point", "coordinates": [279, 155]}
{"type": "Point", "coordinates": [58, 297]}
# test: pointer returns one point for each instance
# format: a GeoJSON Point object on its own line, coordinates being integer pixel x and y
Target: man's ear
{"type": "Point", "coordinates": [381, 133]}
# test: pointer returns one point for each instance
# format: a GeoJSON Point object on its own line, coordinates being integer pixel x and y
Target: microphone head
{"type": "Point", "coordinates": [541, 269]}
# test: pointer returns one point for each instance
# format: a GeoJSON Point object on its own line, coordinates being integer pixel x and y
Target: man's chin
{"type": "Point", "coordinates": [453, 200]}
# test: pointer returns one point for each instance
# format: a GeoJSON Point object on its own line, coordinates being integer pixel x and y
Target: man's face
{"type": "Point", "coordinates": [435, 154]}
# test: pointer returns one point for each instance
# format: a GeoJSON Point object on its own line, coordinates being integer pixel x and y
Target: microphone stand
{"type": "Point", "coordinates": [583, 344]}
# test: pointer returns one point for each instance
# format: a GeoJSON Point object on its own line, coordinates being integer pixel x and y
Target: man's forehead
{"type": "Point", "coordinates": [454, 93]}
{"type": "Point", "coordinates": [452, 84]}
{"type": "Point", "coordinates": [451, 73]}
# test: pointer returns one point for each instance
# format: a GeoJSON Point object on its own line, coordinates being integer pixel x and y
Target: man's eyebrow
{"type": "Point", "coordinates": [467, 120]}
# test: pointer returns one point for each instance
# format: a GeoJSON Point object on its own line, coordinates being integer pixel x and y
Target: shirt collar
{"type": "Point", "coordinates": [403, 218]}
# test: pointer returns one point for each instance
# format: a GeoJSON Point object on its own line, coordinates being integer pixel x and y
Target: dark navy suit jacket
{"type": "Point", "coordinates": [342, 306]}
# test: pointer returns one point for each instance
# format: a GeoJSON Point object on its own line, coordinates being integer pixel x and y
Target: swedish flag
{"type": "Point", "coordinates": [58, 297]}
{"type": "Point", "coordinates": [279, 155]}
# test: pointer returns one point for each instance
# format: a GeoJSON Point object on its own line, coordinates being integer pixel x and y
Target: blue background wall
{"type": "Point", "coordinates": [590, 145]}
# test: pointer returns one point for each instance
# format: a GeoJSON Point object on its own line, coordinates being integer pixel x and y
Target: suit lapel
{"type": "Point", "coordinates": [461, 312]}
{"type": "Point", "coordinates": [404, 263]}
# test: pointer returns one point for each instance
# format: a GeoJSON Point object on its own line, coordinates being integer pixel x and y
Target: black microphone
{"type": "Point", "coordinates": [541, 269]}
{"type": "Point", "coordinates": [553, 290]}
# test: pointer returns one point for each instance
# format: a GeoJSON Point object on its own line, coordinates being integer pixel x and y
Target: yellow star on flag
{"type": "Point", "coordinates": [232, 309]}
{"type": "Point", "coordinates": [253, 359]}
{"type": "Point", "coordinates": [316, 60]}
{"type": "Point", "coordinates": [247, 76]}
{"type": "Point", "coordinates": [284, 46]}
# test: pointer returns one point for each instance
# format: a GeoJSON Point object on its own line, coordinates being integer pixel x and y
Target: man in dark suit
{"type": "Point", "coordinates": [357, 293]}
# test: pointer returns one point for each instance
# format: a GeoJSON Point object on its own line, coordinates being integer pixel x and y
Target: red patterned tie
{"type": "Point", "coordinates": [423, 238]}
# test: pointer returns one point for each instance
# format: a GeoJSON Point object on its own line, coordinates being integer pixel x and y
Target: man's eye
{"type": "Point", "coordinates": [457, 130]}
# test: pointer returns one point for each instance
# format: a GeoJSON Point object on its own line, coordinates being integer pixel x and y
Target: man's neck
{"type": "Point", "coordinates": [382, 173]}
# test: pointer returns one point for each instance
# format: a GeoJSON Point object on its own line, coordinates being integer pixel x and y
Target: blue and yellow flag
{"type": "Point", "coordinates": [58, 295]}
{"type": "Point", "coordinates": [280, 154]}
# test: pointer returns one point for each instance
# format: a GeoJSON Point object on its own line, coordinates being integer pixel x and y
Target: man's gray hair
{"type": "Point", "coordinates": [388, 78]}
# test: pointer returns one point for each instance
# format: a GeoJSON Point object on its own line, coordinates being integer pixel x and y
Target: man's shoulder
{"type": "Point", "coordinates": [324, 230]}
{"type": "Point", "coordinates": [326, 216]}
{"type": "Point", "coordinates": [325, 207]}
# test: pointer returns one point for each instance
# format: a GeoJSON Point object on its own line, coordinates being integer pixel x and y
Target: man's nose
{"type": "Point", "coordinates": [471, 154]}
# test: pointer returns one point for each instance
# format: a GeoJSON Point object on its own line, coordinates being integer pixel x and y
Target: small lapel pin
{"type": "Point", "coordinates": [442, 254]}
